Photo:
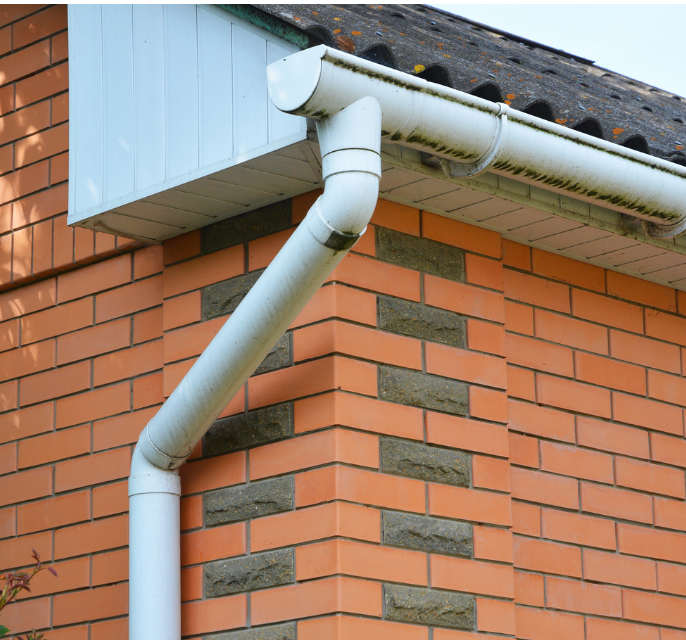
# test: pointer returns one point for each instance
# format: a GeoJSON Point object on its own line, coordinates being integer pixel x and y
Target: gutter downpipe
{"type": "Point", "coordinates": [350, 143]}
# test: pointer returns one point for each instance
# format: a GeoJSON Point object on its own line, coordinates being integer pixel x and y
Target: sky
{"type": "Point", "coordinates": [644, 42]}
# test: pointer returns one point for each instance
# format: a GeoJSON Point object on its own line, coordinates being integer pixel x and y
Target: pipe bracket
{"type": "Point", "coordinates": [460, 170]}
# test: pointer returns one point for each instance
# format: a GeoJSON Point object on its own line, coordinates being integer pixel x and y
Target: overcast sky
{"type": "Point", "coordinates": [645, 42]}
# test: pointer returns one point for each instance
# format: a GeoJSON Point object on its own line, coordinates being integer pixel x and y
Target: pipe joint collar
{"type": "Point", "coordinates": [147, 478]}
{"type": "Point", "coordinates": [653, 230]}
{"type": "Point", "coordinates": [327, 235]}
{"type": "Point", "coordinates": [153, 455]}
{"type": "Point", "coordinates": [349, 160]}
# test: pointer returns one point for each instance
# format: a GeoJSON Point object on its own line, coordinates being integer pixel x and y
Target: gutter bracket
{"type": "Point", "coordinates": [463, 170]}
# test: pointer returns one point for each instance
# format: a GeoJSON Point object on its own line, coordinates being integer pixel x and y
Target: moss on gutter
{"type": "Point", "coordinates": [269, 23]}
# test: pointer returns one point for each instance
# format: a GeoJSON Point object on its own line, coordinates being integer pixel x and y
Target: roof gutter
{"type": "Point", "coordinates": [473, 135]}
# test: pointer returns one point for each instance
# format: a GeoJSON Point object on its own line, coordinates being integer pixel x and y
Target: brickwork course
{"type": "Point", "coordinates": [459, 438]}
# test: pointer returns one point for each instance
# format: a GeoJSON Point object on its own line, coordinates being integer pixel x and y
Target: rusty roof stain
{"type": "Point", "coordinates": [474, 58]}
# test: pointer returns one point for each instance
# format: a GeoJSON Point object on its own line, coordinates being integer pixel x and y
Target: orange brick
{"type": "Point", "coordinates": [526, 519]}
{"type": "Point", "coordinates": [465, 365]}
{"type": "Point", "coordinates": [9, 335]}
{"type": "Point", "coordinates": [190, 341]}
{"type": "Point", "coordinates": [21, 254]}
{"type": "Point", "coordinates": [316, 598]}
{"type": "Point", "coordinates": [619, 569]}
{"type": "Point", "coordinates": [147, 261]}
{"type": "Point", "coordinates": [94, 604]}
{"type": "Point", "coordinates": [13, 12]}
{"type": "Point", "coordinates": [599, 629]}
{"type": "Point", "coordinates": [25, 485]}
{"type": "Point", "coordinates": [312, 377]}
{"type": "Point", "coordinates": [90, 537]}
{"type": "Point", "coordinates": [17, 552]}
{"type": "Point", "coordinates": [668, 449]}
{"type": "Point", "coordinates": [26, 422]}
{"type": "Point", "coordinates": [491, 543]}
{"type": "Point", "coordinates": [536, 291]}
{"type": "Point", "coordinates": [491, 473]}
{"type": "Point", "coordinates": [484, 272]}
{"type": "Point", "coordinates": [667, 388]}
{"type": "Point", "coordinates": [524, 451]}
{"type": "Point", "coordinates": [613, 437]}
{"type": "Point", "coordinates": [92, 405]}
{"type": "Point", "coordinates": [461, 235]}
{"type": "Point", "coordinates": [607, 372]}
{"type": "Point", "coordinates": [521, 383]}
{"type": "Point", "coordinates": [73, 574]}
{"type": "Point", "coordinates": [315, 523]}
{"type": "Point", "coordinates": [63, 243]}
{"type": "Point", "coordinates": [544, 488]}
{"type": "Point", "coordinates": [93, 469]}
{"type": "Point", "coordinates": [464, 299]}
{"type": "Point", "coordinates": [191, 583]}
{"type": "Point", "coordinates": [573, 396]}
{"type": "Point", "coordinates": [571, 332]}
{"type": "Point", "coordinates": [29, 359]}
{"type": "Point", "coordinates": [645, 476]}
{"type": "Point", "coordinates": [123, 429]}
{"type": "Point", "coordinates": [529, 589]}
{"type": "Point", "coordinates": [42, 247]}
{"type": "Point", "coordinates": [8, 522]}
{"type": "Point", "coordinates": [202, 271]}
{"type": "Point", "coordinates": [616, 503]}
{"type": "Point", "coordinates": [519, 318]}
{"type": "Point", "coordinates": [54, 446]}
{"type": "Point", "coordinates": [368, 273]}
{"type": "Point", "coordinates": [93, 341]}
{"type": "Point", "coordinates": [24, 181]}
{"type": "Point", "coordinates": [541, 421]}
{"type": "Point", "coordinates": [341, 337]}
{"type": "Point", "coordinates": [360, 560]}
{"type": "Point", "coordinates": [578, 463]}
{"type": "Point", "coordinates": [94, 278]}
{"type": "Point", "coordinates": [217, 614]}
{"type": "Point", "coordinates": [470, 435]}
{"type": "Point", "coordinates": [341, 627]}
{"type": "Point", "coordinates": [356, 485]}
{"type": "Point", "coordinates": [53, 513]}
{"type": "Point", "coordinates": [41, 145]}
{"type": "Point", "coordinates": [336, 445]}
{"type": "Point", "coordinates": [459, 574]}
{"type": "Point", "coordinates": [542, 356]}
{"type": "Point", "coordinates": [608, 311]}
{"type": "Point", "coordinates": [28, 615]}
{"type": "Point", "coordinates": [124, 364]}
{"type": "Point", "coordinates": [212, 544]}
{"type": "Point", "coordinates": [580, 274]}
{"type": "Point", "coordinates": [487, 337]}
{"type": "Point", "coordinates": [647, 413]}
{"type": "Point", "coordinates": [148, 390]}
{"type": "Point", "coordinates": [570, 595]}
{"type": "Point", "coordinates": [547, 557]}
{"type": "Point", "coordinates": [191, 513]}
{"type": "Point", "coordinates": [24, 123]}
{"type": "Point", "coordinates": [182, 310]}
{"type": "Point", "coordinates": [654, 609]}
{"type": "Point", "coordinates": [650, 294]}
{"type": "Point", "coordinates": [181, 247]}
{"type": "Point", "coordinates": [671, 578]}
{"type": "Point", "coordinates": [487, 404]}
{"type": "Point", "coordinates": [497, 616]}
{"type": "Point", "coordinates": [59, 168]}
{"type": "Point", "coordinates": [9, 397]}
{"type": "Point", "coordinates": [396, 216]}
{"type": "Point", "coordinates": [52, 322]}
{"type": "Point", "coordinates": [644, 351]}
{"type": "Point", "coordinates": [110, 567]}
{"type": "Point", "coordinates": [8, 458]}
{"type": "Point", "coordinates": [110, 499]}
{"type": "Point", "coordinates": [213, 473]}
{"type": "Point", "coordinates": [147, 325]}
{"type": "Point", "coordinates": [262, 251]}
{"type": "Point", "coordinates": [109, 629]}
{"type": "Point", "coordinates": [469, 504]}
{"type": "Point", "coordinates": [39, 26]}
{"type": "Point", "coordinates": [105, 243]}
{"type": "Point", "coordinates": [129, 299]}
{"type": "Point", "coordinates": [577, 529]}
{"type": "Point", "coordinates": [40, 206]}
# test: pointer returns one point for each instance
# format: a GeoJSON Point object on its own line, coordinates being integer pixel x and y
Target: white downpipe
{"type": "Point", "coordinates": [464, 129]}
{"type": "Point", "coordinates": [350, 143]}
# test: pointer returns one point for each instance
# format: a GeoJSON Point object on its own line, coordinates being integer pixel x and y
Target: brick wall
{"type": "Point", "coordinates": [459, 437]}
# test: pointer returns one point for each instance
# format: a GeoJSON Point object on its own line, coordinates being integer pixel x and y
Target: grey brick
{"type": "Point", "coordinates": [427, 534]}
{"type": "Point", "coordinates": [412, 319]}
{"type": "Point", "coordinates": [239, 229]}
{"type": "Point", "coordinates": [249, 501]}
{"type": "Point", "coordinates": [421, 390]}
{"type": "Point", "coordinates": [278, 632]}
{"type": "Point", "coordinates": [420, 253]}
{"type": "Point", "coordinates": [278, 357]}
{"type": "Point", "coordinates": [249, 573]}
{"type": "Point", "coordinates": [248, 429]}
{"type": "Point", "coordinates": [423, 462]}
{"type": "Point", "coordinates": [223, 297]}
{"type": "Point", "coordinates": [435, 608]}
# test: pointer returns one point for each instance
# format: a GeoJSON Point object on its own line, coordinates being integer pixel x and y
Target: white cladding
{"type": "Point", "coordinates": [162, 97]}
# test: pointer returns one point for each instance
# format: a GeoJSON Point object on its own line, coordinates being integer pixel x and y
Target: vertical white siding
{"type": "Point", "coordinates": [165, 94]}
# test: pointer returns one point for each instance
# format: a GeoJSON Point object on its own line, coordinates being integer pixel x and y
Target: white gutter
{"type": "Point", "coordinates": [476, 135]}
{"type": "Point", "coordinates": [350, 143]}
{"type": "Point", "coordinates": [355, 103]}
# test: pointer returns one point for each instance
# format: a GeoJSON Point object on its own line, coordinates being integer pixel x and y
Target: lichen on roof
{"type": "Point", "coordinates": [501, 67]}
